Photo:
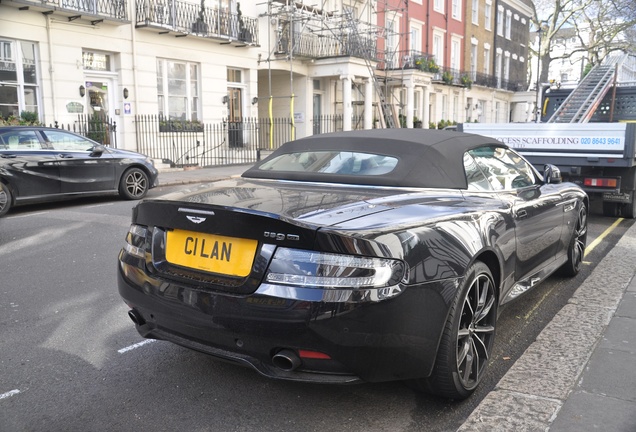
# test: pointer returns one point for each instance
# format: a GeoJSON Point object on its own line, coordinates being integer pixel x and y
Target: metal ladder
{"type": "Point", "coordinates": [387, 115]}
{"type": "Point", "coordinates": [580, 105]}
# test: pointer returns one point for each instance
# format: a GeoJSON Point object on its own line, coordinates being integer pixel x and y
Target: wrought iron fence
{"type": "Point", "coordinates": [190, 143]}
{"type": "Point", "coordinates": [98, 128]}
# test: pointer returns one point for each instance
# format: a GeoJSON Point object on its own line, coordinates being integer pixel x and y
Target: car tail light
{"type": "Point", "coordinates": [309, 269]}
{"type": "Point", "coordinates": [136, 241]}
{"type": "Point", "coordinates": [600, 182]}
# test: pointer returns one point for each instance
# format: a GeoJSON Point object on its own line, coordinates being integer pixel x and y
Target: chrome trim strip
{"type": "Point", "coordinates": [187, 210]}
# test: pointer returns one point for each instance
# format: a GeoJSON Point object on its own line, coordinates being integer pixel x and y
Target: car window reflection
{"type": "Point", "coordinates": [504, 169]}
{"type": "Point", "coordinates": [20, 140]}
{"type": "Point", "coordinates": [68, 142]}
{"type": "Point", "coordinates": [333, 162]}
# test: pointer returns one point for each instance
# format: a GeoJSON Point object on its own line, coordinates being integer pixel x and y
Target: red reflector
{"type": "Point", "coordinates": [313, 355]}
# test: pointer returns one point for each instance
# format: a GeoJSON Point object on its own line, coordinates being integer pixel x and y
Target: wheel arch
{"type": "Point", "coordinates": [491, 260]}
{"type": "Point", "coordinates": [135, 165]}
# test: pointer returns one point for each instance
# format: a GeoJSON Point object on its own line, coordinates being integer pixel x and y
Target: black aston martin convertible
{"type": "Point", "coordinates": [355, 256]}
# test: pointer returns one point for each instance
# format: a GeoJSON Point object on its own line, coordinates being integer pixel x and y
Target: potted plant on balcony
{"type": "Point", "coordinates": [466, 81]}
{"type": "Point", "coordinates": [200, 27]}
{"type": "Point", "coordinates": [447, 77]}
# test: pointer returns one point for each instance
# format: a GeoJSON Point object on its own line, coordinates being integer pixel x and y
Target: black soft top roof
{"type": "Point", "coordinates": [426, 158]}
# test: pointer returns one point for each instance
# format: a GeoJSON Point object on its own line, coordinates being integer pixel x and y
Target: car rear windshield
{"type": "Point", "coordinates": [333, 162]}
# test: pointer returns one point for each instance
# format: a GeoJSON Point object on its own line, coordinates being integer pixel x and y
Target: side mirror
{"type": "Point", "coordinates": [98, 150]}
{"type": "Point", "coordinates": [551, 174]}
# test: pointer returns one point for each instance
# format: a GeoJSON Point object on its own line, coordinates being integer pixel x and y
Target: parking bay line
{"type": "Point", "coordinates": [9, 394]}
{"type": "Point", "coordinates": [135, 346]}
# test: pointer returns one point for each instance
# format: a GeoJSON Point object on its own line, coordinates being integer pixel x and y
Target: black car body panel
{"type": "Point", "coordinates": [371, 332]}
{"type": "Point", "coordinates": [33, 168]}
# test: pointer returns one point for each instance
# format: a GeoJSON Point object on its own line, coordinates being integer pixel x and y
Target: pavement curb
{"type": "Point", "coordinates": [531, 394]}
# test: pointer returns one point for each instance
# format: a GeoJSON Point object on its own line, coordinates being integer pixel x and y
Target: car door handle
{"type": "Point", "coordinates": [522, 214]}
{"type": "Point", "coordinates": [66, 156]}
{"type": "Point", "coordinates": [8, 156]}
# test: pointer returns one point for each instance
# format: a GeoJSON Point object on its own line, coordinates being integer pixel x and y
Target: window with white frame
{"type": "Point", "coordinates": [438, 48]}
{"type": "Point", "coordinates": [456, 9]}
{"type": "Point", "coordinates": [444, 107]}
{"type": "Point", "coordinates": [500, 21]}
{"type": "Point", "coordinates": [438, 5]}
{"type": "Point", "coordinates": [506, 66]}
{"type": "Point", "coordinates": [392, 41]}
{"type": "Point", "coordinates": [475, 12]}
{"type": "Point", "coordinates": [455, 108]}
{"type": "Point", "coordinates": [455, 53]}
{"type": "Point", "coordinates": [498, 61]}
{"type": "Point", "coordinates": [19, 78]}
{"type": "Point", "coordinates": [473, 60]}
{"type": "Point", "coordinates": [178, 90]}
{"type": "Point", "coordinates": [486, 59]}
{"type": "Point", "coordinates": [508, 24]}
{"type": "Point", "coordinates": [416, 38]}
{"type": "Point", "coordinates": [488, 16]}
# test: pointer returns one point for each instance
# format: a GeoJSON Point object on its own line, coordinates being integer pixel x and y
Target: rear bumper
{"type": "Point", "coordinates": [390, 340]}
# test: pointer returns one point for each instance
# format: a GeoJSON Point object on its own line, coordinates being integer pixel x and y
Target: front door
{"type": "Point", "coordinates": [99, 106]}
{"type": "Point", "coordinates": [235, 116]}
{"type": "Point", "coordinates": [317, 114]}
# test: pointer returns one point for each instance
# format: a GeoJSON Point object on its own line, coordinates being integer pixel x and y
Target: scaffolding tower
{"type": "Point", "coordinates": [366, 29]}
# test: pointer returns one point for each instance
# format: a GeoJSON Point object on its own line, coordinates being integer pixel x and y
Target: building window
{"type": "Point", "coordinates": [506, 66]}
{"type": "Point", "coordinates": [508, 24]}
{"type": "Point", "coordinates": [488, 16]}
{"type": "Point", "coordinates": [416, 39]}
{"type": "Point", "coordinates": [486, 60]}
{"type": "Point", "coordinates": [444, 107]}
{"type": "Point", "coordinates": [19, 77]}
{"type": "Point", "coordinates": [500, 21]}
{"type": "Point", "coordinates": [178, 90]}
{"type": "Point", "coordinates": [473, 61]}
{"type": "Point", "coordinates": [438, 49]}
{"type": "Point", "coordinates": [457, 9]}
{"type": "Point", "coordinates": [475, 15]}
{"type": "Point", "coordinates": [438, 6]}
{"type": "Point", "coordinates": [498, 64]}
{"type": "Point", "coordinates": [455, 54]}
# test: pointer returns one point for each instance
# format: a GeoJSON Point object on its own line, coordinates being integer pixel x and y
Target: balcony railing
{"type": "Point", "coordinates": [188, 18]}
{"type": "Point", "coordinates": [104, 9]}
{"type": "Point", "coordinates": [316, 46]}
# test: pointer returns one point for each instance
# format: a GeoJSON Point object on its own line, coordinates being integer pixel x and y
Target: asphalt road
{"type": "Point", "coordinates": [71, 360]}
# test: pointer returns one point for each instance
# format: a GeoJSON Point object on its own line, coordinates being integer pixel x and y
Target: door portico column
{"type": "Point", "coordinates": [347, 110]}
{"type": "Point", "coordinates": [368, 104]}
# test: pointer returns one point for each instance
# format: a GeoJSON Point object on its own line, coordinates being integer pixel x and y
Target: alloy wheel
{"type": "Point", "coordinates": [136, 183]}
{"type": "Point", "coordinates": [580, 237]}
{"type": "Point", "coordinates": [476, 331]}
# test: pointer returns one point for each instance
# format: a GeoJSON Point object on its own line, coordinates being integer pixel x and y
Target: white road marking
{"type": "Point", "coordinates": [9, 394]}
{"type": "Point", "coordinates": [26, 215]}
{"type": "Point", "coordinates": [137, 345]}
{"type": "Point", "coordinates": [98, 205]}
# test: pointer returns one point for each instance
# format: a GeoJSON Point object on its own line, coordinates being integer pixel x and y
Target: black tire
{"type": "Point", "coordinates": [468, 337]}
{"type": "Point", "coordinates": [133, 184]}
{"type": "Point", "coordinates": [629, 210]}
{"type": "Point", "coordinates": [5, 199]}
{"type": "Point", "coordinates": [576, 249]}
